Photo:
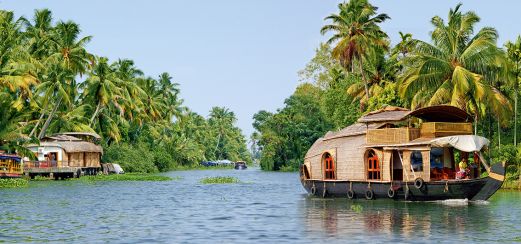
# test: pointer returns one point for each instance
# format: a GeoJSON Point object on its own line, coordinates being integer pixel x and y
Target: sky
{"type": "Point", "coordinates": [243, 55]}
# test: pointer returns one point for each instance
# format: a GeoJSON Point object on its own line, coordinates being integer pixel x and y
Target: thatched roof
{"type": "Point", "coordinates": [352, 130]}
{"type": "Point", "coordinates": [71, 146]}
{"type": "Point", "coordinates": [387, 114]}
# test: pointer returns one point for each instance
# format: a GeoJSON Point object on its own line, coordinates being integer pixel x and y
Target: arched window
{"type": "Point", "coordinates": [417, 161]}
{"type": "Point", "coordinates": [329, 167]}
{"type": "Point", "coordinates": [373, 166]}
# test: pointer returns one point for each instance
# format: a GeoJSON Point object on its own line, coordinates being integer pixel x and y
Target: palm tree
{"type": "Point", "coordinates": [56, 85]}
{"type": "Point", "coordinates": [101, 87]}
{"type": "Point", "coordinates": [459, 68]}
{"type": "Point", "coordinates": [357, 34]}
{"type": "Point", "coordinates": [221, 119]}
{"type": "Point", "coordinates": [68, 58]}
{"type": "Point", "coordinates": [39, 33]}
{"type": "Point", "coordinates": [514, 57]}
{"type": "Point", "coordinates": [170, 94]}
{"type": "Point", "coordinates": [379, 71]}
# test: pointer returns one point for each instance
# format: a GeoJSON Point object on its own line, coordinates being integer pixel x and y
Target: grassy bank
{"type": "Point", "coordinates": [512, 184]}
{"type": "Point", "coordinates": [220, 180]}
{"type": "Point", "coordinates": [13, 183]}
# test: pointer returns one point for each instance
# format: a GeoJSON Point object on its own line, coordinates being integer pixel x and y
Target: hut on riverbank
{"type": "Point", "coordinates": [71, 150]}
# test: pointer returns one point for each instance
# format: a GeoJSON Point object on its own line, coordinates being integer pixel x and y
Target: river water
{"type": "Point", "coordinates": [269, 207]}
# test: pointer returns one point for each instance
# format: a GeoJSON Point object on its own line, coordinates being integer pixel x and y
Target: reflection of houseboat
{"type": "Point", "coordinates": [10, 166]}
{"type": "Point", "coordinates": [65, 155]}
{"type": "Point", "coordinates": [401, 154]}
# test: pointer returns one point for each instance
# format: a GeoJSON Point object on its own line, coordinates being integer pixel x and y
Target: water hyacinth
{"type": "Point", "coordinates": [13, 183]}
{"type": "Point", "coordinates": [220, 180]}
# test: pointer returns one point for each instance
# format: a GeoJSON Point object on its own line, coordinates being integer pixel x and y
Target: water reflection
{"type": "Point", "coordinates": [342, 218]}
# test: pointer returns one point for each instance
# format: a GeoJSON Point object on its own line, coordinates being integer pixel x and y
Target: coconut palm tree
{"type": "Point", "coordinates": [101, 87]}
{"type": "Point", "coordinates": [458, 68]}
{"type": "Point", "coordinates": [514, 57]}
{"type": "Point", "coordinates": [356, 34]}
{"type": "Point", "coordinates": [67, 59]}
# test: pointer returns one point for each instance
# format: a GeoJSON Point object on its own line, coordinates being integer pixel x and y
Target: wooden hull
{"type": "Point", "coordinates": [474, 189]}
{"type": "Point", "coordinates": [9, 175]}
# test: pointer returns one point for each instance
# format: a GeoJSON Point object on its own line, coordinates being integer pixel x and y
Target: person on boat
{"type": "Point", "coordinates": [462, 174]}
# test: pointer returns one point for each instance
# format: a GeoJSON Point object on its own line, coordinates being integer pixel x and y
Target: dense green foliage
{"type": "Point", "coordinates": [358, 71]}
{"type": "Point", "coordinates": [50, 83]}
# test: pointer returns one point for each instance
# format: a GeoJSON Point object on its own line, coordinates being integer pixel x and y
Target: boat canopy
{"type": "Point", "coordinates": [465, 143]}
{"type": "Point", "coordinates": [442, 113]}
{"type": "Point", "coordinates": [12, 157]}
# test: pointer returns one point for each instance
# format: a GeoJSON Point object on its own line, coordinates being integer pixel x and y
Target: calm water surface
{"type": "Point", "coordinates": [268, 207]}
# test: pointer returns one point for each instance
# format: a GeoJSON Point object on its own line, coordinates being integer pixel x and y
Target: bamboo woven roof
{"type": "Point", "coordinates": [387, 114]}
{"type": "Point", "coordinates": [352, 130]}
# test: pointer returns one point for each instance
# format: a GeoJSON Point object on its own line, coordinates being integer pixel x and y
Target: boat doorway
{"type": "Point", "coordinates": [396, 165]}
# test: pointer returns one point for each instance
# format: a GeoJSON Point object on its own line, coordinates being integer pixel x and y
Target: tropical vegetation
{"type": "Point", "coordinates": [50, 83]}
{"type": "Point", "coordinates": [357, 70]}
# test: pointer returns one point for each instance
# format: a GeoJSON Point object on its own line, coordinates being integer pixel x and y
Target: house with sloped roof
{"type": "Point", "coordinates": [67, 150]}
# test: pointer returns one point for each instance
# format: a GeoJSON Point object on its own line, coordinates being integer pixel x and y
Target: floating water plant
{"type": "Point", "coordinates": [13, 183]}
{"type": "Point", "coordinates": [220, 180]}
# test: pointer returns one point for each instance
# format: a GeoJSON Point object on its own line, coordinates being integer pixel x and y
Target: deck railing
{"type": "Point", "coordinates": [440, 129]}
{"type": "Point", "coordinates": [392, 135]}
{"type": "Point", "coordinates": [45, 164]}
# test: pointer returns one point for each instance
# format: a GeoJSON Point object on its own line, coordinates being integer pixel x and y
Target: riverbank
{"type": "Point", "coordinates": [511, 185]}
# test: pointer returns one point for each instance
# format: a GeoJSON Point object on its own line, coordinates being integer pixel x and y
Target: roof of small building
{"type": "Point", "coordinates": [387, 114]}
{"type": "Point", "coordinates": [71, 146]}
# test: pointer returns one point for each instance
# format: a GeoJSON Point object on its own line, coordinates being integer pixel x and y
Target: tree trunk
{"type": "Point", "coordinates": [515, 117]}
{"type": "Point", "coordinates": [498, 134]}
{"type": "Point", "coordinates": [49, 119]}
{"type": "Point", "coordinates": [95, 114]}
{"type": "Point", "coordinates": [39, 120]}
{"type": "Point", "coordinates": [366, 85]}
{"type": "Point", "coordinates": [476, 124]}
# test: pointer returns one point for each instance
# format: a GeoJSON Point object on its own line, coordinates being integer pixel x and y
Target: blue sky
{"type": "Point", "coordinates": [240, 54]}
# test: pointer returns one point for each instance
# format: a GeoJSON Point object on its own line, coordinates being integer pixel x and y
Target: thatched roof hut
{"type": "Point", "coordinates": [68, 151]}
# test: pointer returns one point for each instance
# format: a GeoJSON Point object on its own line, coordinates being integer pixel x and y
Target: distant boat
{"type": "Point", "coordinates": [239, 165]}
{"type": "Point", "coordinates": [426, 154]}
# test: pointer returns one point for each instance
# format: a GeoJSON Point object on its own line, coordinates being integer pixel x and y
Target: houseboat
{"type": "Point", "coordinates": [65, 155]}
{"type": "Point", "coordinates": [10, 166]}
{"type": "Point", "coordinates": [421, 155]}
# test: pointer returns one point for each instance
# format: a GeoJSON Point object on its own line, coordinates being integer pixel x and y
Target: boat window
{"type": "Point", "coordinates": [417, 161]}
{"type": "Point", "coordinates": [437, 157]}
{"type": "Point", "coordinates": [373, 166]}
{"type": "Point", "coordinates": [329, 166]}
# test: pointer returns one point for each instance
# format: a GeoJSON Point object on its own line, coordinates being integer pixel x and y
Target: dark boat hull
{"type": "Point", "coordinates": [240, 167]}
{"type": "Point", "coordinates": [474, 189]}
